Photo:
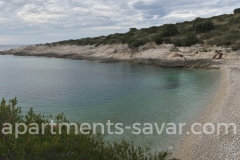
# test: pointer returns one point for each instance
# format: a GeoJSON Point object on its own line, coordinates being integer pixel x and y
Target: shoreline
{"type": "Point", "coordinates": [165, 55]}
{"type": "Point", "coordinates": [184, 146]}
{"type": "Point", "coordinates": [223, 109]}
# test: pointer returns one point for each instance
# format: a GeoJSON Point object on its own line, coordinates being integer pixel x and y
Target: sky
{"type": "Point", "coordinates": [43, 21]}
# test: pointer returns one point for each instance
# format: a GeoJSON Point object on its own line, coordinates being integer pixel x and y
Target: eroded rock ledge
{"type": "Point", "coordinates": [167, 55]}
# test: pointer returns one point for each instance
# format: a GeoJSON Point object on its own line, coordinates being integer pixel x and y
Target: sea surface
{"type": "Point", "coordinates": [94, 92]}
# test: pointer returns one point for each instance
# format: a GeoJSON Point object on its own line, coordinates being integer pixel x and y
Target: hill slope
{"type": "Point", "coordinates": [223, 30]}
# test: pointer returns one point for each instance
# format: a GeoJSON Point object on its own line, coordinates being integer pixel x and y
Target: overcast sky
{"type": "Point", "coordinates": [41, 21]}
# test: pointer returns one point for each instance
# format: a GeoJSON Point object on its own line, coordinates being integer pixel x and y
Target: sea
{"type": "Point", "coordinates": [94, 92]}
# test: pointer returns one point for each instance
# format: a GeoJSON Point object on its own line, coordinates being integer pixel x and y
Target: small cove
{"type": "Point", "coordinates": [121, 92]}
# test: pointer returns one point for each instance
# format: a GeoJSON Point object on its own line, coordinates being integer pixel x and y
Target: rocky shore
{"type": "Point", "coordinates": [167, 55]}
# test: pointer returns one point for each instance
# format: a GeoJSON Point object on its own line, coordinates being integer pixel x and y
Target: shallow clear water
{"type": "Point", "coordinates": [121, 92]}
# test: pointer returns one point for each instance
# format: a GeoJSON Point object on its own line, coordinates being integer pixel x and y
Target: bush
{"type": "Point", "coordinates": [208, 35]}
{"type": "Point", "coordinates": [186, 30]}
{"type": "Point", "coordinates": [178, 42]}
{"type": "Point", "coordinates": [221, 19]}
{"type": "Point", "coordinates": [234, 20]}
{"type": "Point", "coordinates": [167, 40]}
{"type": "Point", "coordinates": [132, 29]}
{"type": "Point", "coordinates": [137, 43]}
{"type": "Point", "coordinates": [227, 39]}
{"type": "Point", "coordinates": [204, 26]}
{"type": "Point", "coordinates": [127, 37]}
{"type": "Point", "coordinates": [152, 29]}
{"type": "Point", "coordinates": [236, 11]}
{"type": "Point", "coordinates": [236, 47]}
{"type": "Point", "coordinates": [190, 39]}
{"type": "Point", "coordinates": [232, 37]}
{"type": "Point", "coordinates": [197, 20]}
{"type": "Point", "coordinates": [223, 28]}
{"type": "Point", "coordinates": [124, 40]}
{"type": "Point", "coordinates": [158, 39]}
{"type": "Point", "coordinates": [227, 42]}
{"type": "Point", "coordinates": [219, 41]}
{"type": "Point", "coordinates": [169, 30]}
{"type": "Point", "coordinates": [60, 146]}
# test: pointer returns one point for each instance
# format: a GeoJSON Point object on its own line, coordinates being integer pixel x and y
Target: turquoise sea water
{"type": "Point", "coordinates": [125, 93]}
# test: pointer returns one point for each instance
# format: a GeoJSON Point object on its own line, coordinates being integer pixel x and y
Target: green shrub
{"type": "Point", "coordinates": [220, 41]}
{"type": "Point", "coordinates": [232, 37]}
{"type": "Point", "coordinates": [167, 40]}
{"type": "Point", "coordinates": [61, 146]}
{"type": "Point", "coordinates": [226, 42]}
{"type": "Point", "coordinates": [130, 42]}
{"type": "Point", "coordinates": [208, 35]}
{"type": "Point", "coordinates": [236, 11]}
{"type": "Point", "coordinates": [227, 39]}
{"type": "Point", "coordinates": [127, 37]}
{"type": "Point", "coordinates": [132, 29]}
{"type": "Point", "coordinates": [178, 42]}
{"type": "Point", "coordinates": [169, 30]}
{"type": "Point", "coordinates": [152, 29]}
{"type": "Point", "coordinates": [204, 26]}
{"type": "Point", "coordinates": [79, 43]}
{"type": "Point", "coordinates": [224, 28]}
{"type": "Point", "coordinates": [197, 20]}
{"type": "Point", "coordinates": [158, 39]}
{"type": "Point", "coordinates": [124, 40]}
{"type": "Point", "coordinates": [221, 19]}
{"type": "Point", "coordinates": [234, 20]}
{"type": "Point", "coordinates": [190, 39]}
{"type": "Point", "coordinates": [236, 47]}
{"type": "Point", "coordinates": [134, 43]}
{"type": "Point", "coordinates": [187, 30]}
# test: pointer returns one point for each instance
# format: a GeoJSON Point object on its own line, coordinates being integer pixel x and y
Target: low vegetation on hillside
{"type": "Point", "coordinates": [223, 30]}
{"type": "Point", "coordinates": [59, 146]}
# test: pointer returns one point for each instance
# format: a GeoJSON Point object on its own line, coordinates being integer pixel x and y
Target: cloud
{"type": "Point", "coordinates": [5, 39]}
{"type": "Point", "coordinates": [40, 21]}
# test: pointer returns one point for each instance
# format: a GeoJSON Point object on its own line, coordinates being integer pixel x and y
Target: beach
{"type": "Point", "coordinates": [224, 109]}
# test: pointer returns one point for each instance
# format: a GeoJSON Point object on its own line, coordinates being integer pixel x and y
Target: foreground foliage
{"type": "Point", "coordinates": [64, 146]}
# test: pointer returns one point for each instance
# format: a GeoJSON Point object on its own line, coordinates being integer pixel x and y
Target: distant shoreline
{"type": "Point", "coordinates": [166, 55]}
